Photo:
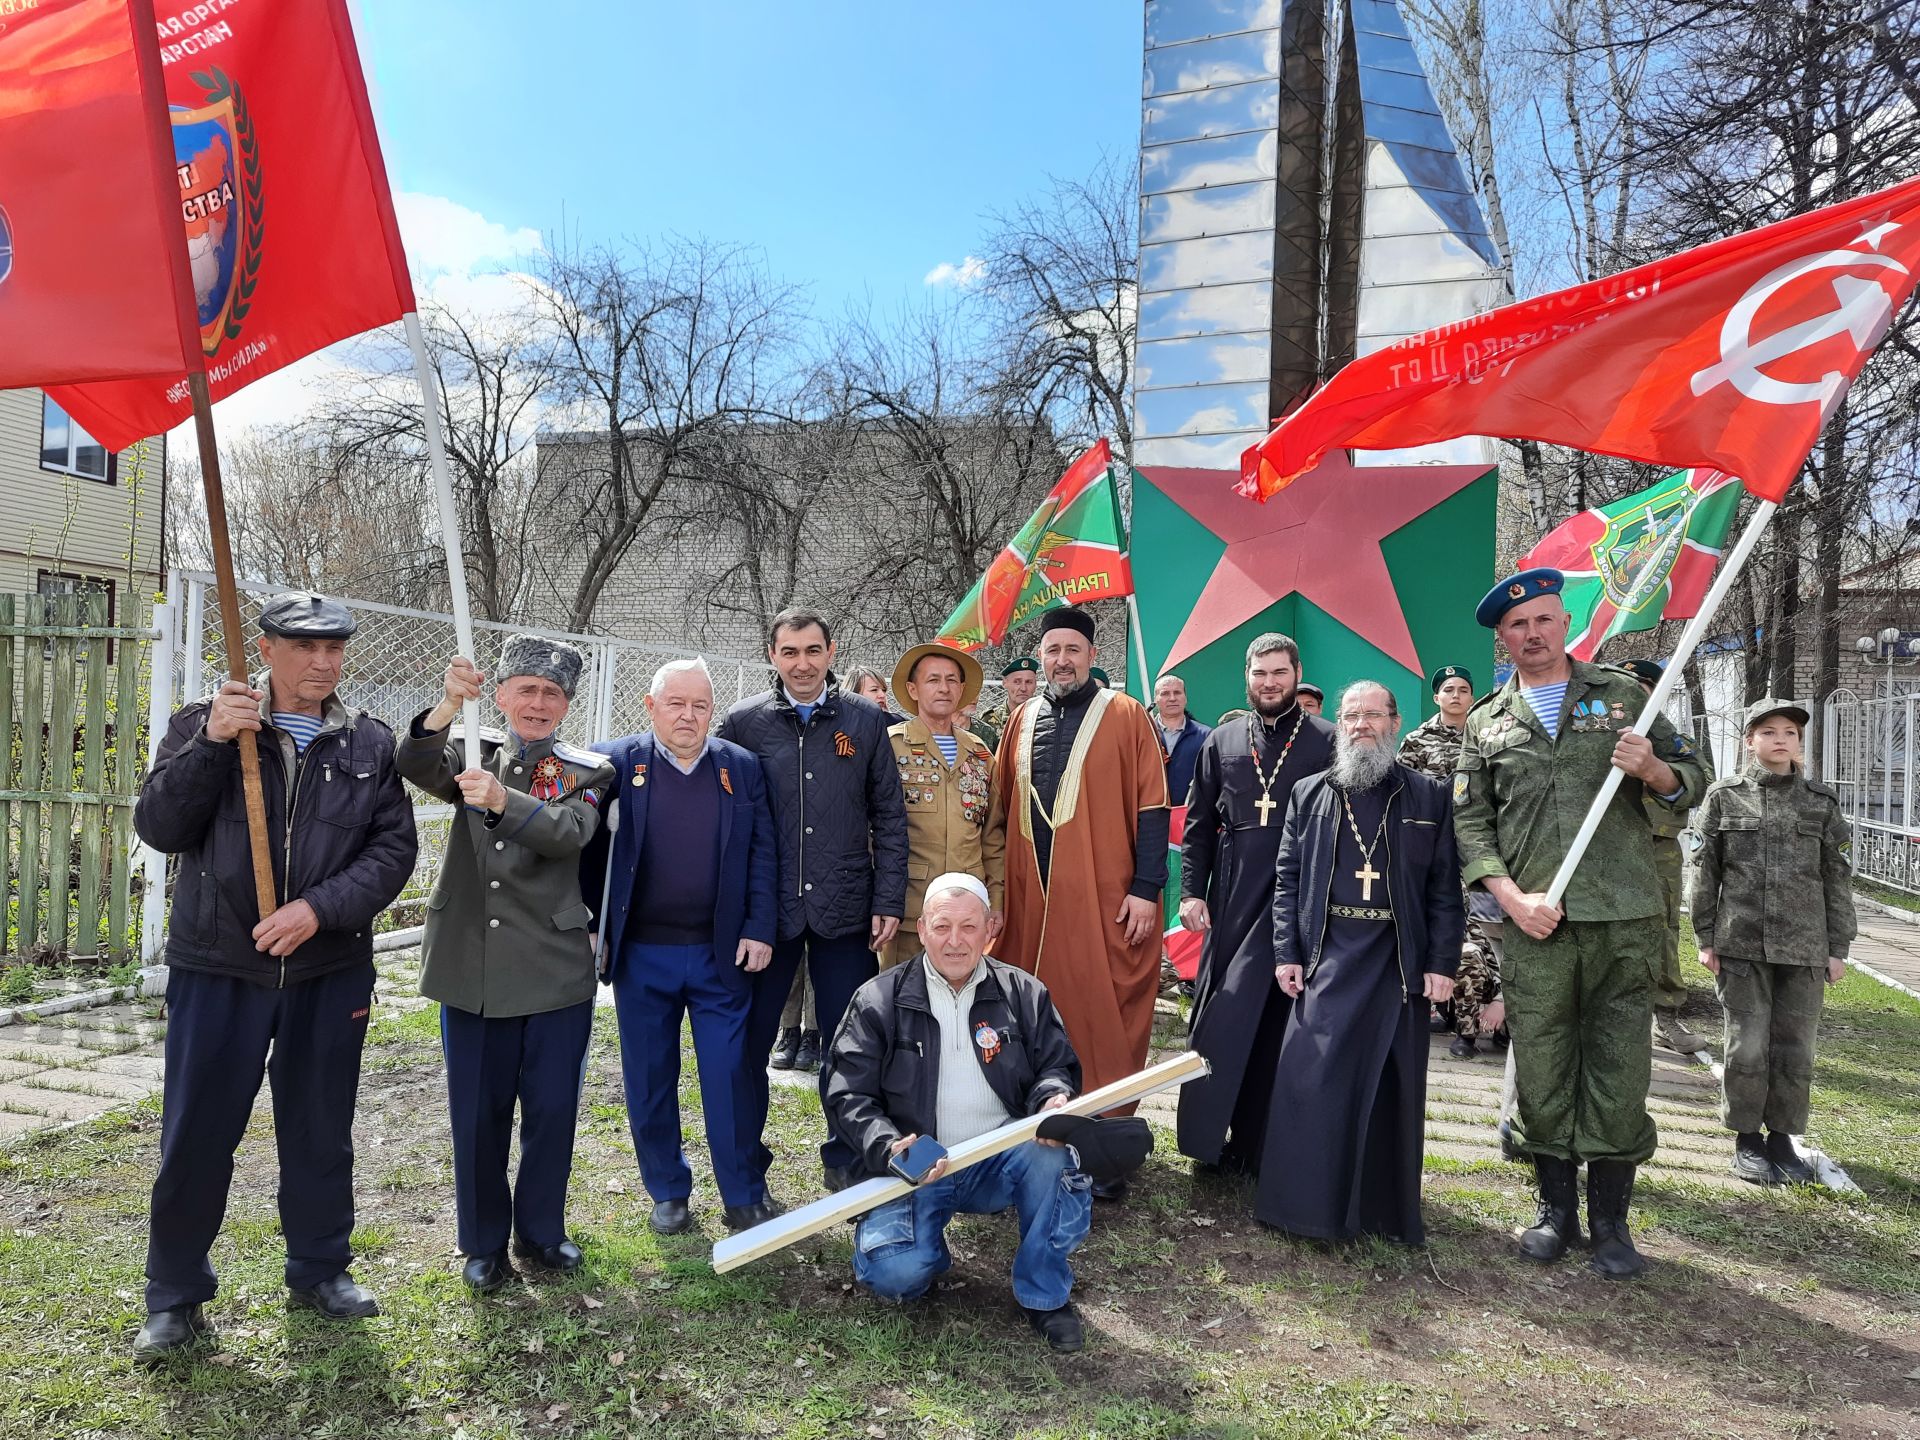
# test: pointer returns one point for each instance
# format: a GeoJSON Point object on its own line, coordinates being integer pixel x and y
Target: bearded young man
{"type": "Point", "coordinates": [1246, 769]}
{"type": "Point", "coordinates": [1367, 918]}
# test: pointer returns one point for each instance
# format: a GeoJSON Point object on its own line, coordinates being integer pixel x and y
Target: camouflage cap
{"type": "Point", "coordinates": [537, 655]}
{"type": "Point", "coordinates": [1760, 709]}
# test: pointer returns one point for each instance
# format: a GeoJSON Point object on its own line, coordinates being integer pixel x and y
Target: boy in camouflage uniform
{"type": "Point", "coordinates": [1433, 748]}
{"type": "Point", "coordinates": [1768, 835]}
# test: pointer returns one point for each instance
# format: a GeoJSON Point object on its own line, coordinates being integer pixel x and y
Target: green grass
{"type": "Point", "coordinates": [1765, 1313]}
{"type": "Point", "coordinates": [1886, 894]}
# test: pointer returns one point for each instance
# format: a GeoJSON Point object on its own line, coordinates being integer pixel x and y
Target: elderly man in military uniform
{"type": "Point", "coordinates": [1579, 975]}
{"type": "Point", "coordinates": [1019, 681]}
{"type": "Point", "coordinates": [946, 777]}
{"type": "Point", "coordinates": [1670, 991]}
{"type": "Point", "coordinates": [286, 996]}
{"type": "Point", "coordinates": [506, 950]}
{"type": "Point", "coordinates": [1433, 748]}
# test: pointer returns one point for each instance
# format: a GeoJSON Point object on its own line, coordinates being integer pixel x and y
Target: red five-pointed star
{"type": "Point", "coordinates": [1318, 538]}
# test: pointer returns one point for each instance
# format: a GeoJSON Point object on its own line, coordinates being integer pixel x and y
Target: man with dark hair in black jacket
{"type": "Point", "coordinates": [840, 823]}
{"type": "Point", "coordinates": [288, 995]}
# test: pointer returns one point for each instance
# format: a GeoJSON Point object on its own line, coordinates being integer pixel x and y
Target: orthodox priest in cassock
{"type": "Point", "coordinates": [1080, 795]}
{"type": "Point", "coordinates": [1367, 919]}
{"type": "Point", "coordinates": [1245, 771]}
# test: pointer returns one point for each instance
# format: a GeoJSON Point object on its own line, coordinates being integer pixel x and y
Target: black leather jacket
{"type": "Point", "coordinates": [1423, 875]}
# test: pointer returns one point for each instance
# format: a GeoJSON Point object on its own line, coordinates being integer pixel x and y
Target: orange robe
{"type": "Point", "coordinates": [1064, 931]}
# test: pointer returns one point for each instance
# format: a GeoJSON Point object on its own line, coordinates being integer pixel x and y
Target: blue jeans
{"type": "Point", "coordinates": [901, 1247]}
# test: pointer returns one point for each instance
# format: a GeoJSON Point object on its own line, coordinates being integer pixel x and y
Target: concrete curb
{"type": "Point", "coordinates": [150, 982]}
{"type": "Point", "coordinates": [1880, 907]}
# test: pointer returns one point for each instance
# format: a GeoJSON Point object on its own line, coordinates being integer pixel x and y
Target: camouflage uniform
{"type": "Point", "coordinates": [1765, 841]}
{"type": "Point", "coordinates": [1433, 748]}
{"type": "Point", "coordinates": [1579, 1003]}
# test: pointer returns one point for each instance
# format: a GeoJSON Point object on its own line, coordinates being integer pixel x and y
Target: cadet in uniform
{"type": "Point", "coordinates": [946, 776]}
{"type": "Point", "coordinates": [287, 996]}
{"type": "Point", "coordinates": [1769, 836]}
{"type": "Point", "coordinates": [1019, 680]}
{"type": "Point", "coordinates": [506, 950]}
{"type": "Point", "coordinates": [1579, 979]}
{"type": "Point", "coordinates": [1433, 748]}
{"type": "Point", "coordinates": [1670, 991]}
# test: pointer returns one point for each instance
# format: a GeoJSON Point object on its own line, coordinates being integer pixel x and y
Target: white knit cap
{"type": "Point", "coordinates": [959, 880]}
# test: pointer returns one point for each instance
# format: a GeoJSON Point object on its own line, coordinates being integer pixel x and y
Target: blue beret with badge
{"type": "Point", "coordinates": [1517, 589]}
{"type": "Point", "coordinates": [298, 616]}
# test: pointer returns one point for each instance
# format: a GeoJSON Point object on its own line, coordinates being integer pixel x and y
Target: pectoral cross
{"type": "Point", "coordinates": [1366, 875]}
{"type": "Point", "coordinates": [1266, 805]}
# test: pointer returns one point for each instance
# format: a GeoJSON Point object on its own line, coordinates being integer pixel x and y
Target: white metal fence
{"type": "Point", "coordinates": [1866, 756]}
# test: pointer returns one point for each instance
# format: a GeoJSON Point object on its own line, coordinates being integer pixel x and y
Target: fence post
{"type": "Point", "coordinates": [193, 653]}
{"type": "Point", "coordinates": [153, 864]}
{"type": "Point", "coordinates": [609, 667]}
{"type": "Point", "coordinates": [64, 682]}
{"type": "Point", "coordinates": [7, 604]}
{"type": "Point", "coordinates": [85, 943]}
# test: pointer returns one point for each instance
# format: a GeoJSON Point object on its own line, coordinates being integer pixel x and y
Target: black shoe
{"type": "Point", "coordinates": [337, 1299]}
{"type": "Point", "coordinates": [1463, 1048]}
{"type": "Point", "coordinates": [1501, 1039]}
{"type": "Point", "coordinates": [1436, 1022]}
{"type": "Point", "coordinates": [166, 1331]}
{"type": "Point", "coordinates": [485, 1274]}
{"type": "Point", "coordinates": [745, 1217]}
{"type": "Point", "coordinates": [838, 1177]}
{"type": "Point", "coordinates": [1787, 1161]}
{"type": "Point", "coordinates": [1061, 1328]}
{"type": "Point", "coordinates": [670, 1217]}
{"type": "Point", "coordinates": [786, 1049]}
{"type": "Point", "coordinates": [563, 1257]}
{"type": "Point", "coordinates": [1751, 1161]}
{"type": "Point", "coordinates": [1609, 1193]}
{"type": "Point", "coordinates": [1558, 1227]}
{"type": "Point", "coordinates": [1109, 1190]}
{"type": "Point", "coordinates": [809, 1056]}
{"type": "Point", "coordinates": [1509, 1147]}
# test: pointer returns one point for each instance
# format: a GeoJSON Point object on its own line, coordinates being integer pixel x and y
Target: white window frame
{"type": "Point", "coordinates": [76, 437]}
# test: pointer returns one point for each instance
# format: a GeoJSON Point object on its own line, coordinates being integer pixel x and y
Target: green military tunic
{"type": "Point", "coordinates": [507, 926]}
{"type": "Point", "coordinates": [1579, 1003]}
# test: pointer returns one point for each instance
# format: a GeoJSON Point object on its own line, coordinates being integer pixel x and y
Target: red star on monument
{"type": "Point", "coordinates": [1319, 538]}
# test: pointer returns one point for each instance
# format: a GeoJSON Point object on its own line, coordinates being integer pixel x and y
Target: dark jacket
{"type": "Point", "coordinates": [883, 1075]}
{"type": "Point", "coordinates": [350, 854]}
{"type": "Point", "coordinates": [838, 813]}
{"type": "Point", "coordinates": [744, 907]}
{"type": "Point", "coordinates": [1423, 875]}
{"type": "Point", "coordinates": [1182, 757]}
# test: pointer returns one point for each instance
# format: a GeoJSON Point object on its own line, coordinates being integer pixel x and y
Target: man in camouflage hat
{"type": "Point", "coordinates": [506, 951]}
{"type": "Point", "coordinates": [1579, 975]}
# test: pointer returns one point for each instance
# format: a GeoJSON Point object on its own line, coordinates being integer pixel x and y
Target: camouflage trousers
{"type": "Point", "coordinates": [1773, 1018]}
{"type": "Point", "coordinates": [1669, 991]}
{"type": "Point", "coordinates": [1580, 1009]}
{"type": "Point", "coordinates": [1477, 982]}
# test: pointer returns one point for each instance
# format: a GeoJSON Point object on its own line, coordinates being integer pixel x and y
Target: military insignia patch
{"type": "Point", "coordinates": [1682, 745]}
{"type": "Point", "coordinates": [1459, 789]}
{"type": "Point", "coordinates": [842, 744]}
{"type": "Point", "coordinates": [988, 1039]}
{"type": "Point", "coordinates": [1516, 591]}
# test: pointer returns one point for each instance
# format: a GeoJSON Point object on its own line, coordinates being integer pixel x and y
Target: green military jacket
{"type": "Point", "coordinates": [1519, 797]}
{"type": "Point", "coordinates": [507, 927]}
{"type": "Point", "coordinates": [1766, 841]}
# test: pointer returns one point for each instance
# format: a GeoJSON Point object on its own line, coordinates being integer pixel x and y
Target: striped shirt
{"type": "Point", "coordinates": [301, 727]}
{"type": "Point", "coordinates": [1546, 701]}
{"type": "Point", "coordinates": [949, 746]}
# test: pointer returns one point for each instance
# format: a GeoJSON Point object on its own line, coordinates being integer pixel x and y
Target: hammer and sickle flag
{"type": "Point", "coordinates": [1727, 357]}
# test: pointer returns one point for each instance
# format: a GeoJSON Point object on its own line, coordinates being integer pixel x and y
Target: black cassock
{"type": "Point", "coordinates": [1350, 1098]}
{"type": "Point", "coordinates": [1227, 858]}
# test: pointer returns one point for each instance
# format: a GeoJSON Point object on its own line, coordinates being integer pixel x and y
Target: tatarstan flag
{"type": "Point", "coordinates": [1643, 559]}
{"type": "Point", "coordinates": [1071, 551]}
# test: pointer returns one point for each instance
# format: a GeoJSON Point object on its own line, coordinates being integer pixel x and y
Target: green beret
{"type": "Point", "coordinates": [1647, 671]}
{"type": "Point", "coordinates": [1026, 663]}
{"type": "Point", "coordinates": [1450, 672]}
{"type": "Point", "coordinates": [1097, 674]}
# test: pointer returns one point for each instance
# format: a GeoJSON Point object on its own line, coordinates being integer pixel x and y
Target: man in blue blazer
{"type": "Point", "coordinates": [688, 869]}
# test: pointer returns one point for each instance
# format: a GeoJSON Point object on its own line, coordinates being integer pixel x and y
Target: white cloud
{"type": "Point", "coordinates": [970, 271]}
{"type": "Point", "coordinates": [444, 237]}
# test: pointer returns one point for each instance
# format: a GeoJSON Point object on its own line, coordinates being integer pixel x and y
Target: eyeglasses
{"type": "Point", "coordinates": [1347, 717]}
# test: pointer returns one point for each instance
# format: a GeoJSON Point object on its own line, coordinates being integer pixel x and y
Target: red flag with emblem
{"type": "Point", "coordinates": [1730, 356]}
{"type": "Point", "coordinates": [87, 286]}
{"type": "Point", "coordinates": [291, 237]}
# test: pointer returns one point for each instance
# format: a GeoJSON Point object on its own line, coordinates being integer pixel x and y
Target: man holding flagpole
{"type": "Point", "coordinates": [1580, 973]}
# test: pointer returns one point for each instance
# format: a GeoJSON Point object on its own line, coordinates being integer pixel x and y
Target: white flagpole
{"type": "Point", "coordinates": [449, 522]}
{"type": "Point", "coordinates": [1690, 639]}
{"type": "Point", "coordinates": [1140, 649]}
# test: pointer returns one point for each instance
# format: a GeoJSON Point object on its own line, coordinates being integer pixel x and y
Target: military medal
{"type": "Point", "coordinates": [546, 778]}
{"type": "Point", "coordinates": [639, 775]}
{"type": "Point", "coordinates": [988, 1039]}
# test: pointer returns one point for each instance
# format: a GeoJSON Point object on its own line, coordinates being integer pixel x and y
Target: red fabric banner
{"type": "Point", "coordinates": [86, 178]}
{"type": "Point", "coordinates": [1730, 356]}
{"type": "Point", "coordinates": [291, 238]}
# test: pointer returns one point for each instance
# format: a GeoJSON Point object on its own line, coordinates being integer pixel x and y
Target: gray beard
{"type": "Point", "coordinates": [1359, 765]}
{"type": "Point", "coordinates": [1057, 693]}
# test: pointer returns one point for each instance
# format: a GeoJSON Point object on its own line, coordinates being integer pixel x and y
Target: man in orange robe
{"type": "Point", "coordinates": [1080, 795]}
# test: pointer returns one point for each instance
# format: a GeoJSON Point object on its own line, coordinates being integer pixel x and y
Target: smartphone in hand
{"type": "Point", "coordinates": [913, 1163]}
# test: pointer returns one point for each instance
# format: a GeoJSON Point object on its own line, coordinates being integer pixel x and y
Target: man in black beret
{"type": "Point", "coordinates": [286, 996]}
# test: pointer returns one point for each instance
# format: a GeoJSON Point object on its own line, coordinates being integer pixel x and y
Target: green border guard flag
{"type": "Point", "coordinates": [1643, 559]}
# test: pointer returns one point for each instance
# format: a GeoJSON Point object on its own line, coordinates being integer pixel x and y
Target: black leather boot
{"type": "Point", "coordinates": [1792, 1167]}
{"type": "Point", "coordinates": [1558, 1227]}
{"type": "Point", "coordinates": [1609, 1191]}
{"type": "Point", "coordinates": [808, 1057]}
{"type": "Point", "coordinates": [787, 1049]}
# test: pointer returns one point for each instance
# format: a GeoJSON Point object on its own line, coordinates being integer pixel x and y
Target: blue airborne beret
{"type": "Point", "coordinates": [1517, 589]}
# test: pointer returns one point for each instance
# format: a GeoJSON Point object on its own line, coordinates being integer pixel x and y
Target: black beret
{"type": "Point", "coordinates": [1109, 1149]}
{"type": "Point", "coordinates": [307, 617]}
{"type": "Point", "coordinates": [1065, 617]}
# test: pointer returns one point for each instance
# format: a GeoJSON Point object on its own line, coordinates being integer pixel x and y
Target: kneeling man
{"type": "Point", "coordinates": [1367, 918]}
{"type": "Point", "coordinates": [953, 1044]}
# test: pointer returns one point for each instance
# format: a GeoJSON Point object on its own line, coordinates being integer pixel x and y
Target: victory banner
{"type": "Point", "coordinates": [1071, 551]}
{"type": "Point", "coordinates": [280, 188]}
{"type": "Point", "coordinates": [1643, 559]}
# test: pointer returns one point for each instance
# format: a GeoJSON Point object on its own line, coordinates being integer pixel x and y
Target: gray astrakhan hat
{"type": "Point", "coordinates": [553, 660]}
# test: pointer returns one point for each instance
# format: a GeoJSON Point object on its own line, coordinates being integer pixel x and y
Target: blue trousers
{"type": "Point", "coordinates": [495, 1062]}
{"type": "Point", "coordinates": [839, 965]}
{"type": "Point", "coordinates": [899, 1248]}
{"type": "Point", "coordinates": [223, 1035]}
{"type": "Point", "coordinates": [653, 987]}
